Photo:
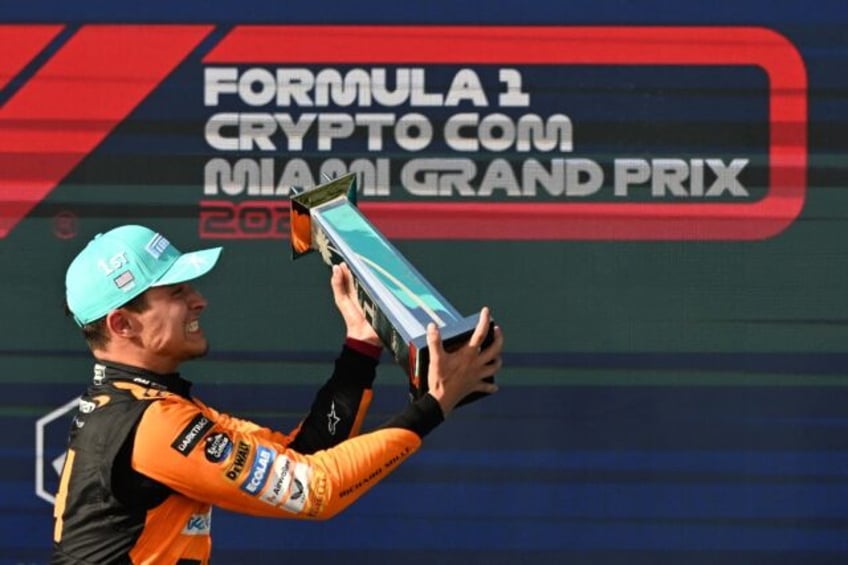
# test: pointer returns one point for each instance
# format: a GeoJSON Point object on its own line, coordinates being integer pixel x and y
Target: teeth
{"type": "Point", "coordinates": [193, 326]}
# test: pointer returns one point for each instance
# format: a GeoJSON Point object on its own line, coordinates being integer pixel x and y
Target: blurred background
{"type": "Point", "coordinates": [674, 386]}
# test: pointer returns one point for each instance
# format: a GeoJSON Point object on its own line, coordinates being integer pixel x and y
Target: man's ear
{"type": "Point", "coordinates": [120, 323]}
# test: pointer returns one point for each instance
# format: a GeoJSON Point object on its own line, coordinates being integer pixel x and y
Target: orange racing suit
{"type": "Point", "coordinates": [146, 462]}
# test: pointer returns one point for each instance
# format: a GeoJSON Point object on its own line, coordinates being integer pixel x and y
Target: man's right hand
{"type": "Point", "coordinates": [344, 295]}
{"type": "Point", "coordinates": [454, 375]}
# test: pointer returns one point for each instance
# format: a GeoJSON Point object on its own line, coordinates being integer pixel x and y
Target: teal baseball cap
{"type": "Point", "coordinates": [120, 264]}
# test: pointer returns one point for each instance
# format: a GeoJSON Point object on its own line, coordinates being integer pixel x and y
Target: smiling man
{"type": "Point", "coordinates": [147, 461]}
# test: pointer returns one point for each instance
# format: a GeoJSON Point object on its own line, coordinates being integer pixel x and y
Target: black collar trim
{"type": "Point", "coordinates": [109, 371]}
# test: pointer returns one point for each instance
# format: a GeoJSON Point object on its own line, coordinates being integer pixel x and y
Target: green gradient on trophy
{"type": "Point", "coordinates": [388, 265]}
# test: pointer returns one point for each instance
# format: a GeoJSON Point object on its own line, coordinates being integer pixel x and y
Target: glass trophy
{"type": "Point", "coordinates": [397, 300]}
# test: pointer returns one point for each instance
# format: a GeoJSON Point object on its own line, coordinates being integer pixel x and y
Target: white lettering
{"type": "Point", "coordinates": [499, 176]}
{"type": "Point", "coordinates": [257, 87]}
{"type": "Point", "coordinates": [354, 87]}
{"type": "Point", "coordinates": [568, 177]}
{"type": "Point", "coordinates": [297, 86]}
{"type": "Point", "coordinates": [249, 131]}
{"type": "Point", "coordinates": [217, 81]}
{"type": "Point", "coordinates": [278, 484]}
{"type": "Point", "coordinates": [726, 180]}
{"type": "Point", "coordinates": [263, 177]}
{"type": "Point", "coordinates": [293, 86]}
{"type": "Point", "coordinates": [630, 171]}
{"type": "Point", "coordinates": [513, 96]}
{"type": "Point", "coordinates": [114, 263]}
{"type": "Point", "coordinates": [679, 178]}
{"type": "Point", "coordinates": [439, 177]}
{"type": "Point", "coordinates": [467, 132]}
{"type": "Point", "coordinates": [260, 471]}
{"type": "Point", "coordinates": [413, 132]}
{"type": "Point", "coordinates": [466, 85]}
{"type": "Point", "coordinates": [192, 434]}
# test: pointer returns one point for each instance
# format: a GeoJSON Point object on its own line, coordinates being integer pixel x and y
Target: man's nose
{"type": "Point", "coordinates": [196, 300]}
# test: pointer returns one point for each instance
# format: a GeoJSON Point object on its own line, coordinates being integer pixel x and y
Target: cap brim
{"type": "Point", "coordinates": [190, 266]}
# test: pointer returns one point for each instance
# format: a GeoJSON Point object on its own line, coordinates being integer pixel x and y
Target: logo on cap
{"type": "Point", "coordinates": [115, 262]}
{"type": "Point", "coordinates": [157, 246]}
{"type": "Point", "coordinates": [125, 281]}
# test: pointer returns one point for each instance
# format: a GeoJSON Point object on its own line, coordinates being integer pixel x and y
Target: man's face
{"type": "Point", "coordinates": [170, 330]}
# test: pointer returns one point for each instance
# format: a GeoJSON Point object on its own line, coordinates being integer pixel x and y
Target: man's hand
{"type": "Point", "coordinates": [344, 295]}
{"type": "Point", "coordinates": [454, 375]}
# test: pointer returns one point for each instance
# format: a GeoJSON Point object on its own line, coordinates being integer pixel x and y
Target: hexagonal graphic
{"type": "Point", "coordinates": [51, 437]}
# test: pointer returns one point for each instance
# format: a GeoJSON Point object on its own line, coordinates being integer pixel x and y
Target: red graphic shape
{"type": "Point", "coordinates": [19, 44]}
{"type": "Point", "coordinates": [75, 100]}
{"type": "Point", "coordinates": [519, 45]}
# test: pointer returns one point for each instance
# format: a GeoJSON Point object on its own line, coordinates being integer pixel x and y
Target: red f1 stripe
{"type": "Point", "coordinates": [19, 44]}
{"type": "Point", "coordinates": [75, 100]}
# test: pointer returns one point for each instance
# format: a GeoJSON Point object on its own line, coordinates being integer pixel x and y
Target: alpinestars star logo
{"type": "Point", "coordinates": [332, 419]}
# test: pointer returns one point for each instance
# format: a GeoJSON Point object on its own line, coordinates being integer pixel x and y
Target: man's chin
{"type": "Point", "coordinates": [200, 352]}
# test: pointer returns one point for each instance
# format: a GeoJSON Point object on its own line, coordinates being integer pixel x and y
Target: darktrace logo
{"type": "Point", "coordinates": [454, 132]}
{"type": "Point", "coordinates": [192, 434]}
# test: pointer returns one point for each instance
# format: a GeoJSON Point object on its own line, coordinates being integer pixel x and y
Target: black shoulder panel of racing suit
{"type": "Point", "coordinates": [107, 500]}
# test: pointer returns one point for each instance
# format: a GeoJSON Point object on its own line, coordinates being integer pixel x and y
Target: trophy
{"type": "Point", "coordinates": [397, 300]}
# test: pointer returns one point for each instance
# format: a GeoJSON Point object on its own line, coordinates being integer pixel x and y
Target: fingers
{"type": "Point", "coordinates": [493, 351]}
{"type": "Point", "coordinates": [457, 372]}
{"type": "Point", "coordinates": [336, 280]}
{"type": "Point", "coordinates": [345, 270]}
{"type": "Point", "coordinates": [434, 342]}
{"type": "Point", "coordinates": [340, 281]}
{"type": "Point", "coordinates": [492, 362]}
{"type": "Point", "coordinates": [482, 328]}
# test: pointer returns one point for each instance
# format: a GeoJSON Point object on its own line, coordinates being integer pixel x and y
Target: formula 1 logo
{"type": "Point", "coordinates": [73, 100]}
{"type": "Point", "coordinates": [43, 137]}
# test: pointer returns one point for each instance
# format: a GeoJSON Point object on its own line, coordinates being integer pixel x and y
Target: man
{"type": "Point", "coordinates": [146, 460]}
